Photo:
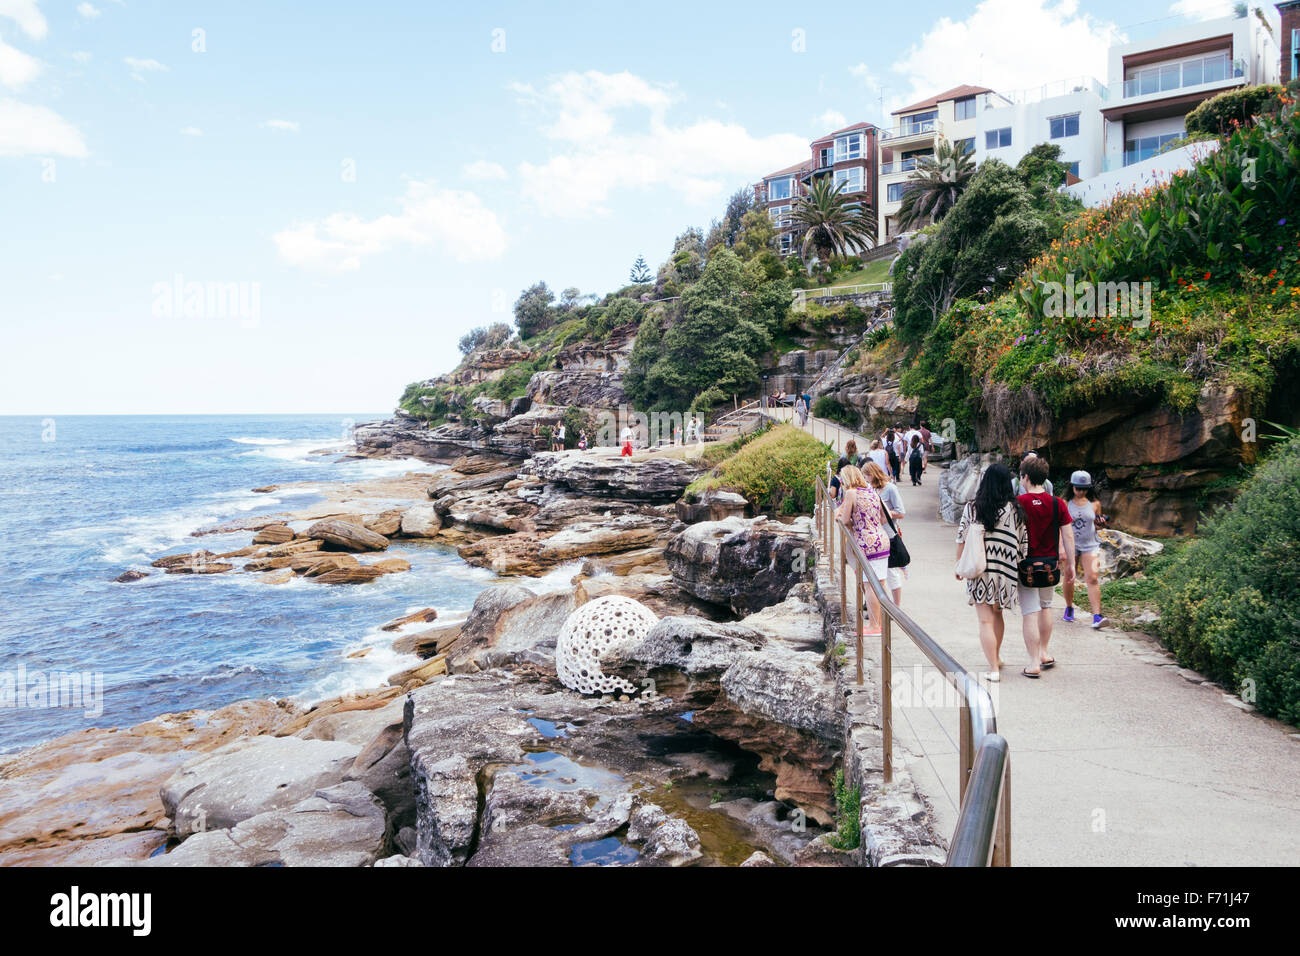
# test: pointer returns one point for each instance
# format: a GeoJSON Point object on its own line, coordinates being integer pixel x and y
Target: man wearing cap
{"type": "Point", "coordinates": [1086, 517]}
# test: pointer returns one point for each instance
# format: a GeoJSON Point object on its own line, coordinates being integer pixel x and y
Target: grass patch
{"type": "Point", "coordinates": [776, 470]}
{"type": "Point", "coordinates": [877, 271]}
{"type": "Point", "coordinates": [848, 815]}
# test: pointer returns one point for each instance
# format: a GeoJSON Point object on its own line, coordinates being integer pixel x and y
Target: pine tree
{"type": "Point", "coordinates": [640, 271]}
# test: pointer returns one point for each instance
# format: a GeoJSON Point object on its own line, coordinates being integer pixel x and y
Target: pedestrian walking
{"type": "Point", "coordinates": [993, 529]}
{"type": "Point", "coordinates": [915, 460]}
{"type": "Point", "coordinates": [892, 499]}
{"type": "Point", "coordinates": [1050, 535]}
{"type": "Point", "coordinates": [850, 457]}
{"type": "Point", "coordinates": [863, 514]}
{"type": "Point", "coordinates": [891, 449]}
{"type": "Point", "coordinates": [878, 454]}
{"type": "Point", "coordinates": [1085, 519]}
{"type": "Point", "coordinates": [1019, 482]}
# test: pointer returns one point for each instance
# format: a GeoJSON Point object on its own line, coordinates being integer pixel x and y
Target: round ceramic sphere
{"type": "Point", "coordinates": [603, 626]}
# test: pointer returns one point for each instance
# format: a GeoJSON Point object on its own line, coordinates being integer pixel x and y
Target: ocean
{"type": "Point", "coordinates": [85, 498]}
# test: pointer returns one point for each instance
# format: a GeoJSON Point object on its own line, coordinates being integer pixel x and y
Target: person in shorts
{"type": "Point", "coordinates": [1086, 518]}
{"type": "Point", "coordinates": [892, 500]}
{"type": "Point", "coordinates": [1050, 533]}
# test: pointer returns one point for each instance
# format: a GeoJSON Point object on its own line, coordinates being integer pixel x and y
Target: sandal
{"type": "Point", "coordinates": [1024, 671]}
{"type": "Point", "coordinates": [1047, 664]}
{"type": "Point", "coordinates": [992, 677]}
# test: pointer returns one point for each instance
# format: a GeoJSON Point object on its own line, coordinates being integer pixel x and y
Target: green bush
{"type": "Point", "coordinates": [1220, 114]}
{"type": "Point", "coordinates": [777, 470]}
{"type": "Point", "coordinates": [848, 815]}
{"type": "Point", "coordinates": [827, 407]}
{"type": "Point", "coordinates": [1230, 602]}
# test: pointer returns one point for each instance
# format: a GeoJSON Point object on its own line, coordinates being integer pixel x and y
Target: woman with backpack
{"type": "Point", "coordinates": [891, 450]}
{"type": "Point", "coordinates": [915, 460]}
{"type": "Point", "coordinates": [991, 540]}
{"type": "Point", "coordinates": [863, 514]}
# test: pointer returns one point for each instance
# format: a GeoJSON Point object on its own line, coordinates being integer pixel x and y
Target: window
{"type": "Point", "coordinates": [966, 145]}
{"type": "Point", "coordinates": [997, 138]}
{"type": "Point", "coordinates": [1295, 54]}
{"type": "Point", "coordinates": [779, 188]}
{"type": "Point", "coordinates": [848, 147]}
{"type": "Point", "coordinates": [1073, 167]}
{"type": "Point", "coordinates": [1144, 147]}
{"type": "Point", "coordinates": [825, 156]}
{"type": "Point", "coordinates": [964, 108]}
{"type": "Point", "coordinates": [780, 216]}
{"type": "Point", "coordinates": [895, 192]}
{"type": "Point", "coordinates": [918, 123]}
{"type": "Point", "coordinates": [1172, 76]}
{"type": "Point", "coordinates": [786, 243]}
{"type": "Point", "coordinates": [1063, 126]}
{"type": "Point", "coordinates": [851, 178]}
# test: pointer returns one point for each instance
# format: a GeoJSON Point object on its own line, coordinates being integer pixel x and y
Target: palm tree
{"type": "Point", "coordinates": [935, 186]}
{"type": "Point", "coordinates": [833, 222]}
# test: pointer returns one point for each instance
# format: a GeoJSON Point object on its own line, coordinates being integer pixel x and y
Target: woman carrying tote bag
{"type": "Point", "coordinates": [991, 540]}
{"type": "Point", "coordinates": [863, 514]}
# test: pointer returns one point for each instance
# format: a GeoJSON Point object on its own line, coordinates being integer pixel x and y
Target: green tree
{"type": "Point", "coordinates": [832, 221]}
{"type": "Point", "coordinates": [640, 272]}
{"type": "Point", "coordinates": [533, 312]}
{"type": "Point", "coordinates": [977, 249]}
{"type": "Point", "coordinates": [756, 235]}
{"type": "Point", "coordinates": [935, 185]}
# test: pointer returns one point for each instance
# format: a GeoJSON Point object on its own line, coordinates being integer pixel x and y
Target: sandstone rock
{"type": "Point", "coordinates": [346, 536]}
{"type": "Point", "coordinates": [274, 534]}
{"type": "Point", "coordinates": [342, 825]}
{"type": "Point", "coordinates": [650, 479]}
{"type": "Point", "coordinates": [789, 687]}
{"type": "Point", "coordinates": [421, 521]}
{"type": "Point", "coordinates": [746, 564]}
{"type": "Point", "coordinates": [204, 567]}
{"type": "Point", "coordinates": [318, 562]}
{"type": "Point", "coordinates": [357, 575]}
{"type": "Point", "coordinates": [291, 548]}
{"type": "Point", "coordinates": [795, 622]}
{"type": "Point", "coordinates": [420, 616]}
{"type": "Point", "coordinates": [696, 646]}
{"type": "Point", "coordinates": [126, 577]}
{"type": "Point", "coordinates": [1123, 554]}
{"type": "Point", "coordinates": [392, 565]}
{"type": "Point", "coordinates": [247, 778]}
{"type": "Point", "coordinates": [507, 623]}
{"type": "Point", "coordinates": [387, 524]}
{"type": "Point", "coordinates": [196, 558]}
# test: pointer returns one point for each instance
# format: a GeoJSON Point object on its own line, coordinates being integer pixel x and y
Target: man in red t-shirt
{"type": "Point", "coordinates": [1051, 532]}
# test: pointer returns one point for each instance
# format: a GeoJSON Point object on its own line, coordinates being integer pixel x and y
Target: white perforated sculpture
{"type": "Point", "coordinates": [603, 626]}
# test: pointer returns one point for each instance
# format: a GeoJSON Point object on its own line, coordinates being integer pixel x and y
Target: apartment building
{"type": "Point", "coordinates": [1290, 39]}
{"type": "Point", "coordinates": [1156, 82]}
{"type": "Point", "coordinates": [917, 129]}
{"type": "Point", "coordinates": [1066, 113]}
{"type": "Point", "coordinates": [848, 155]}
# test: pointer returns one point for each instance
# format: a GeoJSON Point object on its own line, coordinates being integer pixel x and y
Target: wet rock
{"type": "Point", "coordinates": [201, 567]}
{"type": "Point", "coordinates": [527, 846]}
{"type": "Point", "coordinates": [388, 523]}
{"type": "Point", "coordinates": [507, 622]}
{"type": "Point", "coordinates": [745, 564]}
{"type": "Point", "coordinates": [421, 521]}
{"type": "Point", "coordinates": [672, 843]}
{"type": "Point", "coordinates": [423, 615]}
{"type": "Point", "coordinates": [644, 821]}
{"type": "Point", "coordinates": [392, 565]}
{"type": "Point", "coordinates": [757, 858]}
{"type": "Point", "coordinates": [346, 536]}
{"type": "Point", "coordinates": [341, 825]}
{"type": "Point", "coordinates": [274, 534]}
{"type": "Point", "coordinates": [357, 575]}
{"type": "Point", "coordinates": [250, 777]}
{"type": "Point", "coordinates": [315, 563]}
{"type": "Point", "coordinates": [178, 560]}
{"type": "Point", "coordinates": [126, 577]}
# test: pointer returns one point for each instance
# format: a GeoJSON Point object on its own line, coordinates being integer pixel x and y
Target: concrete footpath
{"type": "Point", "coordinates": [1117, 758]}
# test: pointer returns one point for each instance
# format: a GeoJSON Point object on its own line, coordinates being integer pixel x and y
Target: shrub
{"type": "Point", "coordinates": [1230, 601]}
{"type": "Point", "coordinates": [777, 470]}
{"type": "Point", "coordinates": [827, 407]}
{"type": "Point", "coordinates": [1220, 114]}
{"type": "Point", "coordinates": [848, 815]}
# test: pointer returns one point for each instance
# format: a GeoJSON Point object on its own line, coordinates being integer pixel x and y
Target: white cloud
{"type": "Point", "coordinates": [1007, 45]}
{"type": "Point", "coordinates": [484, 170]}
{"type": "Point", "coordinates": [830, 120]}
{"type": "Point", "coordinates": [140, 67]}
{"type": "Point", "coordinates": [16, 67]}
{"type": "Point", "coordinates": [288, 126]}
{"type": "Point", "coordinates": [1202, 9]}
{"type": "Point", "coordinates": [863, 72]}
{"type": "Point", "coordinates": [454, 221]}
{"type": "Point", "coordinates": [27, 15]}
{"type": "Point", "coordinates": [191, 131]}
{"type": "Point", "coordinates": [36, 131]}
{"type": "Point", "coordinates": [87, 11]}
{"type": "Point", "coordinates": [81, 56]}
{"type": "Point", "coordinates": [616, 134]}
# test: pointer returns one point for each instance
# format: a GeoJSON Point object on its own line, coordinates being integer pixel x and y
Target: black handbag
{"type": "Point", "coordinates": [1040, 572]}
{"type": "Point", "coordinates": [899, 557]}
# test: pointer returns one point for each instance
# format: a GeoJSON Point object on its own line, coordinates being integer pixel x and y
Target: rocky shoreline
{"type": "Point", "coordinates": [479, 755]}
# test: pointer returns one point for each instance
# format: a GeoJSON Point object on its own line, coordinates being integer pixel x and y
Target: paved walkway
{"type": "Point", "coordinates": [1117, 759]}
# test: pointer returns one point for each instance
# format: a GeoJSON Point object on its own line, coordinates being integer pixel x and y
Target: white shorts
{"type": "Point", "coordinates": [880, 566]}
{"type": "Point", "coordinates": [1033, 600]}
{"type": "Point", "coordinates": [896, 578]}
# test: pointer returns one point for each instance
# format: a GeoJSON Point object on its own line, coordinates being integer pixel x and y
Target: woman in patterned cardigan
{"type": "Point", "coordinates": [1006, 541]}
{"type": "Point", "coordinates": [863, 514]}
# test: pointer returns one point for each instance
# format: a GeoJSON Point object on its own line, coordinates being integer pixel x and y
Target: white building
{"type": "Point", "coordinates": [1155, 83]}
{"type": "Point", "coordinates": [1065, 114]}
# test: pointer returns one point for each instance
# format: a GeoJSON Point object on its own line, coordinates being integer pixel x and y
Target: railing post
{"type": "Point", "coordinates": [887, 696]}
{"type": "Point", "coordinates": [1002, 836]}
{"type": "Point", "coordinates": [858, 566]}
{"type": "Point", "coordinates": [844, 578]}
{"type": "Point", "coordinates": [966, 746]}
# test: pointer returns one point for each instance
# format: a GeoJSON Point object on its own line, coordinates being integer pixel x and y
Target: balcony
{"type": "Point", "coordinates": [903, 166]}
{"type": "Point", "coordinates": [1184, 76]}
{"type": "Point", "coordinates": [911, 131]}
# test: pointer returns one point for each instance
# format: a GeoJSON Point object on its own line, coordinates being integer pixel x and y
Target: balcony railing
{"type": "Point", "coordinates": [902, 166]}
{"type": "Point", "coordinates": [912, 129]}
{"type": "Point", "coordinates": [1181, 76]}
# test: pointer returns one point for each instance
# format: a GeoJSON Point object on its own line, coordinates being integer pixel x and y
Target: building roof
{"type": "Point", "coordinates": [862, 125]}
{"type": "Point", "coordinates": [796, 168]}
{"type": "Point", "coordinates": [956, 93]}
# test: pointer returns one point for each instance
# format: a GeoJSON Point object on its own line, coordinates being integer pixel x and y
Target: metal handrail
{"type": "Point", "coordinates": [983, 833]}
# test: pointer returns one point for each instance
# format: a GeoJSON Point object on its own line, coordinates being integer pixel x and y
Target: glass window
{"type": "Point", "coordinates": [1149, 81]}
{"type": "Point", "coordinates": [920, 123]}
{"type": "Point", "coordinates": [965, 108]}
{"type": "Point", "coordinates": [1063, 126]}
{"type": "Point", "coordinates": [997, 138]}
{"type": "Point", "coordinates": [895, 192]}
{"type": "Point", "coordinates": [1192, 72]}
{"type": "Point", "coordinates": [1073, 167]}
{"type": "Point", "coordinates": [1215, 68]}
{"type": "Point", "coordinates": [851, 178]}
{"type": "Point", "coordinates": [966, 145]}
{"type": "Point", "coordinates": [779, 188]}
{"type": "Point", "coordinates": [825, 156]}
{"type": "Point", "coordinates": [848, 147]}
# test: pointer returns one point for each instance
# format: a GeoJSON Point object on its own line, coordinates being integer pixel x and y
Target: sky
{"type": "Point", "coordinates": [252, 206]}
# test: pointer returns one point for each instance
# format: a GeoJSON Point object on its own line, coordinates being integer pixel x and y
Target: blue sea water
{"type": "Point", "coordinates": [84, 498]}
